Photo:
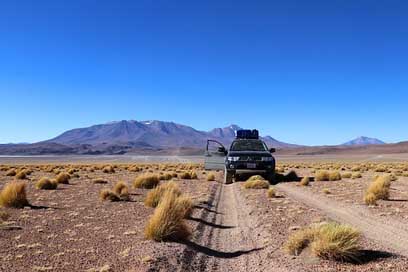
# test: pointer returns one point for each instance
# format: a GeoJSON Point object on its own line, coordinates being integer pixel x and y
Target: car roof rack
{"type": "Point", "coordinates": [247, 134]}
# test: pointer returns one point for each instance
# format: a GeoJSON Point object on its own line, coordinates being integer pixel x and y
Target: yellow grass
{"type": "Point", "coordinates": [271, 192]}
{"type": "Point", "coordinates": [63, 178]}
{"type": "Point", "coordinates": [327, 240]}
{"type": "Point", "coordinates": [378, 189]}
{"type": "Point", "coordinates": [211, 177]}
{"type": "Point", "coordinates": [256, 182]}
{"type": "Point", "coordinates": [14, 195]}
{"type": "Point", "coordinates": [155, 195]}
{"type": "Point", "coordinates": [146, 181]}
{"type": "Point", "coordinates": [324, 175]}
{"type": "Point", "coordinates": [305, 181]}
{"type": "Point", "coordinates": [21, 174]}
{"type": "Point", "coordinates": [167, 221]}
{"type": "Point", "coordinates": [106, 194]}
{"type": "Point", "coordinates": [46, 184]}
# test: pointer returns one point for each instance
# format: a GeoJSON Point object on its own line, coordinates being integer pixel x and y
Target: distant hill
{"type": "Point", "coordinates": [122, 137]}
{"type": "Point", "coordinates": [360, 141]}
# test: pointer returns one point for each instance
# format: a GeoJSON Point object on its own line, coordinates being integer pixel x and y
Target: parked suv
{"type": "Point", "coordinates": [247, 155]}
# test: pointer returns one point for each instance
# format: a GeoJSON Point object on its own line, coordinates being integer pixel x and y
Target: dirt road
{"type": "Point", "coordinates": [387, 232]}
{"type": "Point", "coordinates": [225, 240]}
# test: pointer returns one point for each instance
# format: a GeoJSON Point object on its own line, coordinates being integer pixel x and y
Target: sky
{"type": "Point", "coordinates": [304, 72]}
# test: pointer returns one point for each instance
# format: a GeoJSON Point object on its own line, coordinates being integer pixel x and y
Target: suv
{"type": "Point", "coordinates": [247, 155]}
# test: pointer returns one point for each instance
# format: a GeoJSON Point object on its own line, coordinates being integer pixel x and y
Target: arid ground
{"type": "Point", "coordinates": [233, 228]}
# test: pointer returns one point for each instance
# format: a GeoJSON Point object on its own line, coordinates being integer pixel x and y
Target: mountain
{"type": "Point", "coordinates": [361, 141]}
{"type": "Point", "coordinates": [155, 133]}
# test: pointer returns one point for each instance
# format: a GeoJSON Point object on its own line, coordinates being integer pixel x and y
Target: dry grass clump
{"type": "Point", "coordinates": [211, 177]}
{"type": "Point", "coordinates": [188, 175]}
{"type": "Point", "coordinates": [256, 182]}
{"type": "Point", "coordinates": [271, 192]}
{"type": "Point", "coordinates": [46, 184]}
{"type": "Point", "coordinates": [107, 194]}
{"type": "Point", "coordinates": [122, 190]}
{"type": "Point", "coordinates": [166, 176]}
{"type": "Point", "coordinates": [346, 175]}
{"type": "Point", "coordinates": [305, 181]}
{"type": "Point", "coordinates": [155, 195]}
{"type": "Point", "coordinates": [327, 240]}
{"type": "Point", "coordinates": [324, 175]}
{"type": "Point", "coordinates": [146, 181]}
{"type": "Point", "coordinates": [14, 195]}
{"type": "Point", "coordinates": [99, 181]}
{"type": "Point", "coordinates": [108, 169]}
{"type": "Point", "coordinates": [167, 221]}
{"type": "Point", "coordinates": [11, 173]}
{"type": "Point", "coordinates": [356, 175]}
{"type": "Point", "coordinates": [378, 189]}
{"type": "Point", "coordinates": [326, 191]}
{"type": "Point", "coordinates": [21, 175]}
{"type": "Point", "coordinates": [63, 178]}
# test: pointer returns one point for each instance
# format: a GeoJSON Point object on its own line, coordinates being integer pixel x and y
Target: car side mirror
{"type": "Point", "coordinates": [272, 150]}
{"type": "Point", "coordinates": [221, 149]}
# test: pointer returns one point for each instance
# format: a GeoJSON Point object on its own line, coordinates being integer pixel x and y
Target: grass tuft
{"type": "Point", "coordinates": [146, 181]}
{"type": "Point", "coordinates": [256, 182]}
{"type": "Point", "coordinates": [106, 194]}
{"type": "Point", "coordinates": [63, 178]}
{"type": "Point", "coordinates": [155, 195]}
{"type": "Point", "coordinates": [305, 181]}
{"type": "Point", "coordinates": [167, 221]}
{"type": "Point", "coordinates": [14, 195]}
{"type": "Point", "coordinates": [46, 184]}
{"type": "Point", "coordinates": [271, 192]}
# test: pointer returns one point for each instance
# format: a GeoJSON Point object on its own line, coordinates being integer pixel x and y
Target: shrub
{"type": "Point", "coordinates": [305, 181]}
{"type": "Point", "coordinates": [11, 173]}
{"type": "Point", "coordinates": [108, 169]}
{"type": "Point", "coordinates": [356, 175]}
{"type": "Point", "coordinates": [14, 195]}
{"type": "Point", "coordinates": [256, 182]}
{"type": "Point", "coordinates": [46, 184]}
{"type": "Point", "coordinates": [154, 196]}
{"type": "Point", "coordinates": [211, 177]}
{"type": "Point", "coordinates": [21, 174]}
{"type": "Point", "coordinates": [167, 221]}
{"type": "Point", "coordinates": [106, 194]}
{"type": "Point", "coordinates": [346, 175]}
{"type": "Point", "coordinates": [146, 181]}
{"type": "Point", "coordinates": [271, 192]}
{"type": "Point", "coordinates": [324, 175]}
{"type": "Point", "coordinates": [337, 242]}
{"type": "Point", "coordinates": [185, 175]}
{"type": "Point", "coordinates": [327, 241]}
{"type": "Point", "coordinates": [378, 189]}
{"type": "Point", "coordinates": [63, 178]}
{"type": "Point", "coordinates": [166, 176]}
{"type": "Point", "coordinates": [122, 190]}
{"type": "Point", "coordinates": [326, 191]}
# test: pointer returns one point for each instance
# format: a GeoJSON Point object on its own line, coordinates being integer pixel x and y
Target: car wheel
{"type": "Point", "coordinates": [227, 177]}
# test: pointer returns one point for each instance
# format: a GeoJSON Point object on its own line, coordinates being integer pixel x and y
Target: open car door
{"type": "Point", "coordinates": [215, 154]}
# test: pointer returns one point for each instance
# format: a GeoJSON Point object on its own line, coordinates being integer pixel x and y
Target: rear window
{"type": "Point", "coordinates": [248, 145]}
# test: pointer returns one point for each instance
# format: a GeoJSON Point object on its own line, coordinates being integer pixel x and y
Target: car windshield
{"type": "Point", "coordinates": [248, 145]}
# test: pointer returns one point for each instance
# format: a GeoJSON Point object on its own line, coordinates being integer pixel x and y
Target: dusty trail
{"type": "Point", "coordinates": [225, 241]}
{"type": "Point", "coordinates": [387, 232]}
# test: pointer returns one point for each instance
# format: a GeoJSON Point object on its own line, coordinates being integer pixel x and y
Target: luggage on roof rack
{"type": "Point", "coordinates": [247, 134]}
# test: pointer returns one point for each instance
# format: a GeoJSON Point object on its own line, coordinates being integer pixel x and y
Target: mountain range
{"type": "Point", "coordinates": [145, 137]}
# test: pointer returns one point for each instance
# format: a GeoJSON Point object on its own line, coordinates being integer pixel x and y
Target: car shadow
{"type": "Point", "coordinates": [206, 209]}
{"type": "Point", "coordinates": [216, 253]}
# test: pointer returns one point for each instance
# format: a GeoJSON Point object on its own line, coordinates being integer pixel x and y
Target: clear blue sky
{"type": "Point", "coordinates": [306, 72]}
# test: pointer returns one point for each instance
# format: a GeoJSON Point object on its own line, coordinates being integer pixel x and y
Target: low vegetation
{"type": "Point", "coordinates": [324, 175]}
{"type": "Point", "coordinates": [167, 221]}
{"type": "Point", "coordinates": [63, 178]}
{"type": "Point", "coordinates": [14, 195]}
{"type": "Point", "coordinates": [211, 177]}
{"type": "Point", "coordinates": [107, 194]}
{"type": "Point", "coordinates": [305, 181]}
{"type": "Point", "coordinates": [46, 184]}
{"type": "Point", "coordinates": [256, 182]}
{"type": "Point", "coordinates": [155, 195]}
{"type": "Point", "coordinates": [378, 189]}
{"type": "Point", "coordinates": [271, 192]}
{"type": "Point", "coordinates": [146, 181]}
{"type": "Point", "coordinates": [332, 241]}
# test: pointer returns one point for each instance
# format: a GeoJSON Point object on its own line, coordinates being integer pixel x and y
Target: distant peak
{"type": "Point", "coordinates": [364, 140]}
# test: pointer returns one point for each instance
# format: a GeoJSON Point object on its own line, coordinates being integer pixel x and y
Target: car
{"type": "Point", "coordinates": [247, 155]}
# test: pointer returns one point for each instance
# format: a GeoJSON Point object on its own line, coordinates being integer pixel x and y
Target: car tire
{"type": "Point", "coordinates": [227, 176]}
